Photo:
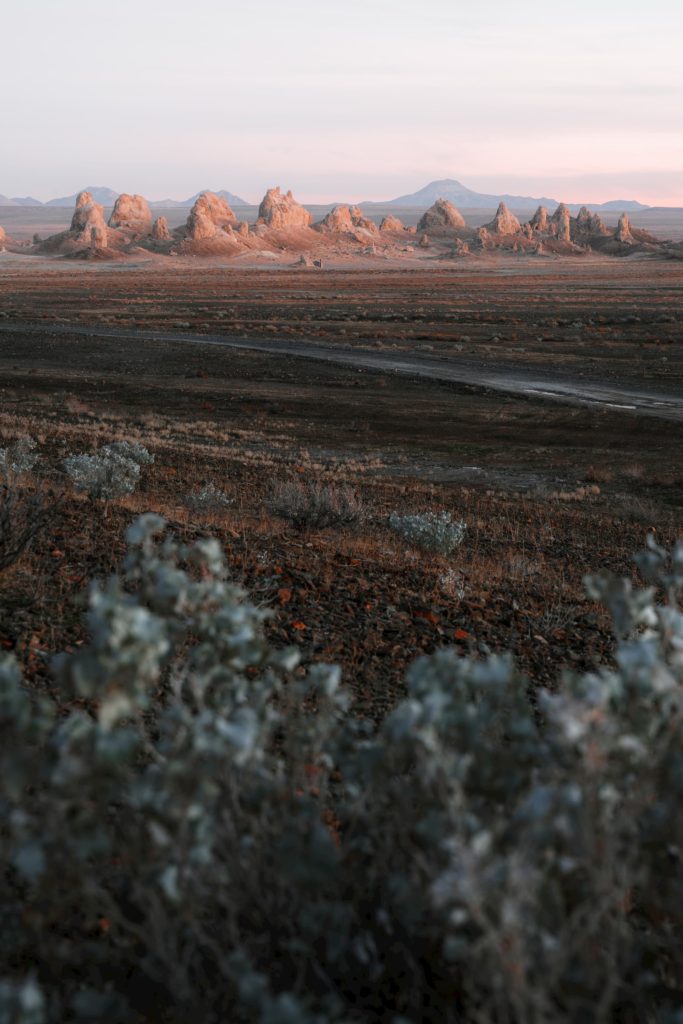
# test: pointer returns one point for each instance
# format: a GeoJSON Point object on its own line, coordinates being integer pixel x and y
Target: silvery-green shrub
{"type": "Point", "coordinates": [431, 531]}
{"type": "Point", "coordinates": [132, 450]}
{"type": "Point", "coordinates": [18, 457]}
{"type": "Point", "coordinates": [204, 832]}
{"type": "Point", "coordinates": [111, 473]}
{"type": "Point", "coordinates": [209, 499]}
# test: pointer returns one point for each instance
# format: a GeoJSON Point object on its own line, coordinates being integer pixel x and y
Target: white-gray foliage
{"type": "Point", "coordinates": [132, 450]}
{"type": "Point", "coordinates": [18, 457]}
{"type": "Point", "coordinates": [209, 499]}
{"type": "Point", "coordinates": [219, 839]}
{"type": "Point", "coordinates": [112, 472]}
{"type": "Point", "coordinates": [431, 531]}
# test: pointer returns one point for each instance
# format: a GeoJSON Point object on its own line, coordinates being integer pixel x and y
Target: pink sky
{"type": "Point", "coordinates": [352, 100]}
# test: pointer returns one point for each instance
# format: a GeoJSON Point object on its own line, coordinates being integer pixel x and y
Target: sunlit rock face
{"type": "Point", "coordinates": [209, 216]}
{"type": "Point", "coordinates": [88, 226]}
{"type": "Point", "coordinates": [539, 221]}
{"type": "Point", "coordinates": [623, 232]}
{"type": "Point", "coordinates": [504, 222]}
{"type": "Point", "coordinates": [560, 223]}
{"type": "Point", "coordinates": [442, 216]}
{"type": "Point", "coordinates": [588, 223]}
{"type": "Point", "coordinates": [160, 231]}
{"type": "Point", "coordinates": [132, 213]}
{"type": "Point", "coordinates": [347, 219]}
{"type": "Point", "coordinates": [281, 210]}
{"type": "Point", "coordinates": [391, 224]}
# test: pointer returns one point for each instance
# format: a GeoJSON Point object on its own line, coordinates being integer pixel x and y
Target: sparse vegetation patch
{"type": "Point", "coordinates": [431, 531]}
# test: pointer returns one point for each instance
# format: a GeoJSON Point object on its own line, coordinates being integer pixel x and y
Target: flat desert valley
{"type": "Point", "coordinates": [539, 399]}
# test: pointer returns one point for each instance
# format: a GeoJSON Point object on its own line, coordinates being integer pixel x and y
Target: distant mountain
{"type": "Point", "coordinates": [461, 196]}
{"type": "Point", "coordinates": [619, 205]}
{"type": "Point", "coordinates": [465, 198]}
{"type": "Point", "coordinates": [105, 196]}
{"type": "Point", "coordinates": [229, 197]}
{"type": "Point", "coordinates": [19, 201]}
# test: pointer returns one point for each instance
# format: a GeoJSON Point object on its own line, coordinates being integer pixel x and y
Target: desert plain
{"type": "Point", "coordinates": [535, 394]}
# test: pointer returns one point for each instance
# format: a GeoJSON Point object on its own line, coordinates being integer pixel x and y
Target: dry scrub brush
{"type": "Point", "coordinates": [22, 517]}
{"type": "Point", "coordinates": [23, 513]}
{"type": "Point", "coordinates": [311, 505]}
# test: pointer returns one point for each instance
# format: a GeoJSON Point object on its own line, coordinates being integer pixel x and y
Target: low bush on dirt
{"type": "Point", "coordinates": [22, 516]}
{"type": "Point", "coordinates": [209, 499]}
{"type": "Point", "coordinates": [202, 832]}
{"type": "Point", "coordinates": [431, 531]}
{"type": "Point", "coordinates": [23, 513]}
{"type": "Point", "coordinates": [18, 458]}
{"type": "Point", "coordinates": [314, 506]}
{"type": "Point", "coordinates": [111, 473]}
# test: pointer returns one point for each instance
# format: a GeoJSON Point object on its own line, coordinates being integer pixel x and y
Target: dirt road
{"type": "Point", "coordinates": [553, 385]}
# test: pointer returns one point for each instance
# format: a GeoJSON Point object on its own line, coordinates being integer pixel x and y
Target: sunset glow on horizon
{"type": "Point", "coordinates": [345, 101]}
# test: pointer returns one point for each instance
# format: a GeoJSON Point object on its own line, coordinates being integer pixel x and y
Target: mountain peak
{"type": "Point", "coordinates": [466, 198]}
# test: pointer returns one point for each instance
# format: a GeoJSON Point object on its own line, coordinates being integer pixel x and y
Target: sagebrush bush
{"type": "Point", "coordinates": [311, 505]}
{"type": "Point", "coordinates": [209, 499]}
{"type": "Point", "coordinates": [111, 473]}
{"type": "Point", "coordinates": [132, 450]}
{"type": "Point", "coordinates": [18, 458]}
{"type": "Point", "coordinates": [217, 839]}
{"type": "Point", "coordinates": [430, 531]}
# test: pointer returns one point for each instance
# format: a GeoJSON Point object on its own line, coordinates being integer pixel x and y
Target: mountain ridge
{"type": "Point", "coordinates": [466, 198]}
{"type": "Point", "coordinates": [444, 188]}
{"type": "Point", "coordinates": [108, 196]}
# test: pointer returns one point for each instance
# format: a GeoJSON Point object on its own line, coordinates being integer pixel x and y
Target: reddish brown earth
{"type": "Point", "coordinates": [549, 491]}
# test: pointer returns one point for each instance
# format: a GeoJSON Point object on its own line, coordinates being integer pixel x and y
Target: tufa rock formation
{"type": "Point", "coordinates": [539, 221]}
{"type": "Point", "coordinates": [560, 223]}
{"type": "Point", "coordinates": [623, 232]}
{"type": "Point", "coordinates": [131, 213]}
{"type": "Point", "coordinates": [504, 223]}
{"type": "Point", "coordinates": [210, 217]}
{"type": "Point", "coordinates": [588, 223]}
{"type": "Point", "coordinates": [442, 216]}
{"type": "Point", "coordinates": [88, 228]}
{"type": "Point", "coordinates": [392, 224]}
{"type": "Point", "coordinates": [347, 219]}
{"type": "Point", "coordinates": [482, 239]}
{"type": "Point", "coordinates": [160, 232]}
{"type": "Point", "coordinates": [460, 248]}
{"type": "Point", "coordinates": [87, 236]}
{"type": "Point", "coordinates": [3, 237]}
{"type": "Point", "coordinates": [282, 211]}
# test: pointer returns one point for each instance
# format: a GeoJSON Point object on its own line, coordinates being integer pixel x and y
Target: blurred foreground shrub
{"type": "Point", "coordinates": [217, 839]}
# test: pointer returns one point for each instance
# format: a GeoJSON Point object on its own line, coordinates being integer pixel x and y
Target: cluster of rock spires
{"type": "Point", "coordinates": [559, 233]}
{"type": "Point", "coordinates": [283, 224]}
